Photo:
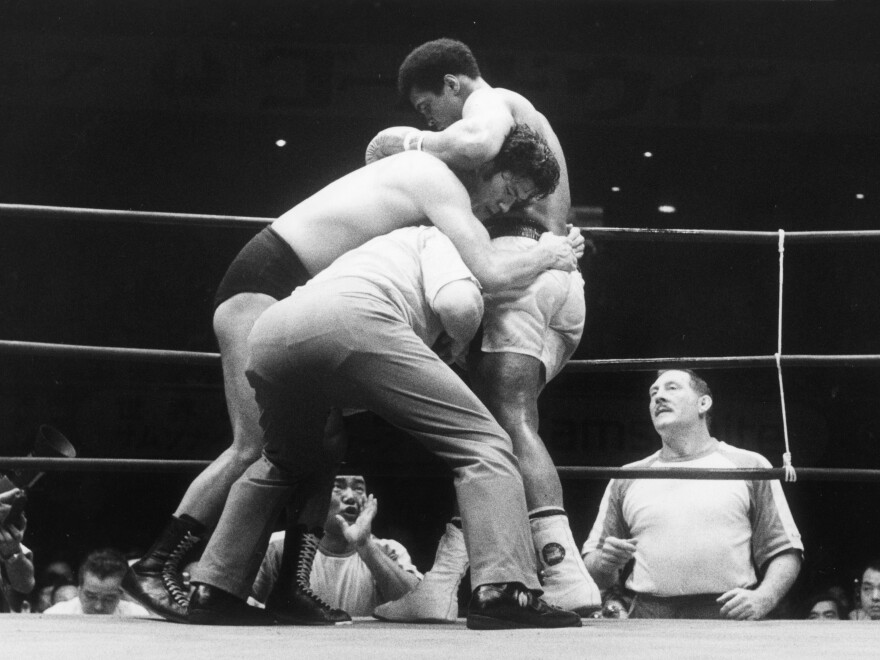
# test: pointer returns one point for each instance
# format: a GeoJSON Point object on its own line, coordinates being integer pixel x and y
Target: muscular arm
{"type": "Point", "coordinates": [477, 138]}
{"type": "Point", "coordinates": [604, 564]}
{"type": "Point", "coordinates": [751, 604]}
{"type": "Point", "coordinates": [393, 582]}
{"type": "Point", "coordinates": [446, 204]}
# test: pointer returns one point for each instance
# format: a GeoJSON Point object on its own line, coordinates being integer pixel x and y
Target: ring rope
{"type": "Point", "coordinates": [43, 349]}
{"type": "Point", "coordinates": [790, 474]}
{"type": "Point", "coordinates": [440, 470]}
{"type": "Point", "coordinates": [654, 235]}
{"type": "Point", "coordinates": [30, 211]}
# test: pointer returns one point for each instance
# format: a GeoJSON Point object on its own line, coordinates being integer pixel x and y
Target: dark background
{"type": "Point", "coordinates": [759, 116]}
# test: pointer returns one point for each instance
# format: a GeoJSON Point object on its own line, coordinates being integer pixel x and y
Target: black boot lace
{"type": "Point", "coordinates": [171, 577]}
{"type": "Point", "coordinates": [308, 548]}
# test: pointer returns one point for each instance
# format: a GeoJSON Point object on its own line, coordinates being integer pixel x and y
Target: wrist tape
{"type": "Point", "coordinates": [413, 141]}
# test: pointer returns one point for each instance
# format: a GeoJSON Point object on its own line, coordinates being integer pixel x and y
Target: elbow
{"type": "Point", "coordinates": [460, 308]}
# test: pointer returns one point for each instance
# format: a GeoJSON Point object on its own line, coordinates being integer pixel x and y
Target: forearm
{"type": "Point", "coordinates": [779, 577]}
{"type": "Point", "coordinates": [392, 580]}
{"type": "Point", "coordinates": [512, 269]}
{"type": "Point", "coordinates": [603, 573]}
{"type": "Point", "coordinates": [462, 146]}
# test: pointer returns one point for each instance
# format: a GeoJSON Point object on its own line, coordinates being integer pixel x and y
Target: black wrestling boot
{"type": "Point", "coordinates": [211, 606]}
{"type": "Point", "coordinates": [511, 605]}
{"type": "Point", "coordinates": [155, 580]}
{"type": "Point", "coordinates": [298, 605]}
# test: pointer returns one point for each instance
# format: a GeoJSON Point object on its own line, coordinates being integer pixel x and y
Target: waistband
{"type": "Point", "coordinates": [510, 227]}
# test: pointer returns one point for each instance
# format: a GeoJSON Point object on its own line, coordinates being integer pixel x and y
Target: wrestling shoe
{"type": "Point", "coordinates": [510, 605]}
{"type": "Point", "coordinates": [299, 605]}
{"type": "Point", "coordinates": [155, 581]}
{"type": "Point", "coordinates": [435, 598]}
{"type": "Point", "coordinates": [210, 606]}
{"type": "Point", "coordinates": [564, 578]}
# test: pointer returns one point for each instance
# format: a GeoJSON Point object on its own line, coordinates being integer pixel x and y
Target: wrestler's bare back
{"type": "Point", "coordinates": [369, 202]}
{"type": "Point", "coordinates": [556, 207]}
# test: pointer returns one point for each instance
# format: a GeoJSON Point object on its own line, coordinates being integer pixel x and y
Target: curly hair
{"type": "Point", "coordinates": [425, 66]}
{"type": "Point", "coordinates": [526, 154]}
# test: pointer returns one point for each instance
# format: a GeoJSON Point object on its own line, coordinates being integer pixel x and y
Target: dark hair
{"type": "Point", "coordinates": [874, 565]}
{"type": "Point", "coordinates": [821, 597]}
{"type": "Point", "coordinates": [698, 385]}
{"type": "Point", "coordinates": [425, 66]}
{"type": "Point", "coordinates": [525, 153]}
{"type": "Point", "coordinates": [103, 564]}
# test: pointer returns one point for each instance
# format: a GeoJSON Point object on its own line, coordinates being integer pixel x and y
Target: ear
{"type": "Point", "coordinates": [705, 403]}
{"type": "Point", "coordinates": [452, 82]}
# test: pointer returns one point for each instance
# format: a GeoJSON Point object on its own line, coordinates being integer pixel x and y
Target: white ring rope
{"type": "Point", "coordinates": [790, 474]}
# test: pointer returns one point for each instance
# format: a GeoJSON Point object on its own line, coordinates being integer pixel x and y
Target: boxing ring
{"type": "Point", "coordinates": [41, 636]}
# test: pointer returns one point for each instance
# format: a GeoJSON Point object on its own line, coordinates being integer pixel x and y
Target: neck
{"type": "Point", "coordinates": [335, 544]}
{"type": "Point", "coordinates": [471, 85]}
{"type": "Point", "coordinates": [686, 443]}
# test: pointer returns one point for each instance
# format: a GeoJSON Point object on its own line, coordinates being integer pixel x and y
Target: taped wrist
{"type": "Point", "coordinates": [413, 141]}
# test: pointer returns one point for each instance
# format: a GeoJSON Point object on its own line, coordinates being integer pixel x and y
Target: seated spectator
{"type": "Point", "coordinates": [825, 606]}
{"type": "Point", "coordinates": [16, 560]}
{"type": "Point", "coordinates": [615, 604]}
{"type": "Point", "coordinates": [55, 574]}
{"type": "Point", "coordinates": [869, 594]}
{"type": "Point", "coordinates": [64, 592]}
{"type": "Point", "coordinates": [99, 590]}
{"type": "Point", "coordinates": [353, 570]}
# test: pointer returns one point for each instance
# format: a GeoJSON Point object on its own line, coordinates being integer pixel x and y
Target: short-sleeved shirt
{"type": "Point", "coordinates": [410, 266]}
{"type": "Point", "coordinates": [697, 536]}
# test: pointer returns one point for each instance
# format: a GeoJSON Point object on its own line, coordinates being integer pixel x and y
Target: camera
{"type": "Point", "coordinates": [13, 516]}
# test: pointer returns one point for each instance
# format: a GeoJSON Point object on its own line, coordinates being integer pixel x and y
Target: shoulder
{"type": "Point", "coordinates": [71, 606]}
{"type": "Point", "coordinates": [646, 462]}
{"type": "Point", "coordinates": [128, 608]}
{"type": "Point", "coordinates": [742, 458]}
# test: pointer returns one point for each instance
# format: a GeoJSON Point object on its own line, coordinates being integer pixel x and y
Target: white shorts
{"type": "Point", "coordinates": [544, 320]}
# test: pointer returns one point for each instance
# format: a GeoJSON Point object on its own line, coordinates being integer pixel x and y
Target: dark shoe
{"type": "Point", "coordinates": [210, 606]}
{"type": "Point", "coordinates": [304, 608]}
{"type": "Point", "coordinates": [299, 605]}
{"type": "Point", "coordinates": [511, 605]}
{"type": "Point", "coordinates": [155, 580]}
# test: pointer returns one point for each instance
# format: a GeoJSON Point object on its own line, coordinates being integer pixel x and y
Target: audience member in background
{"type": "Point", "coordinates": [99, 590]}
{"type": "Point", "coordinates": [352, 570]}
{"type": "Point", "coordinates": [16, 560]}
{"type": "Point", "coordinates": [55, 574]}
{"type": "Point", "coordinates": [869, 594]}
{"type": "Point", "coordinates": [64, 592]}
{"type": "Point", "coordinates": [703, 549]}
{"type": "Point", "coordinates": [825, 606]}
{"type": "Point", "coordinates": [615, 603]}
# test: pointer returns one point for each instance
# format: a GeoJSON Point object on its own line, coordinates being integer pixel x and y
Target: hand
{"type": "Point", "coordinates": [577, 242]}
{"type": "Point", "coordinates": [10, 535]}
{"type": "Point", "coordinates": [744, 605]}
{"type": "Point", "coordinates": [387, 143]}
{"type": "Point", "coordinates": [359, 533]}
{"type": "Point", "coordinates": [561, 249]}
{"type": "Point", "coordinates": [449, 350]}
{"type": "Point", "coordinates": [615, 552]}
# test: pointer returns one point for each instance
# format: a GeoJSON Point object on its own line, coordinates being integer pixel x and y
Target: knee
{"type": "Point", "coordinates": [243, 455]}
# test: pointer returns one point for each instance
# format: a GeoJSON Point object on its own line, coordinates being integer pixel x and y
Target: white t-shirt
{"type": "Point", "coordinates": [343, 581]}
{"type": "Point", "coordinates": [73, 606]}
